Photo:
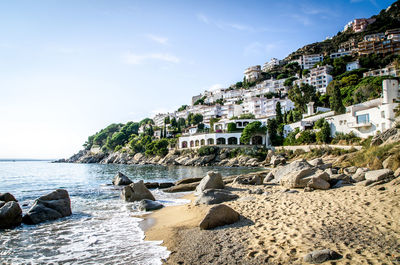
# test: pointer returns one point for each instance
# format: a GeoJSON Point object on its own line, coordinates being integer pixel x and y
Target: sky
{"type": "Point", "coordinates": [70, 68]}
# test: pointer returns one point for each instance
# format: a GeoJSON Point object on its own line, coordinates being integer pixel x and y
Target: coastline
{"type": "Point", "coordinates": [361, 223]}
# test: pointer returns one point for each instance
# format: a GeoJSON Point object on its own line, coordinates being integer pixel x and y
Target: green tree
{"type": "Point", "coordinates": [181, 122]}
{"type": "Point", "coordinates": [196, 119]}
{"type": "Point", "coordinates": [183, 107]}
{"type": "Point", "coordinates": [324, 134]}
{"type": "Point", "coordinates": [250, 130]}
{"type": "Point", "coordinates": [336, 99]}
{"type": "Point", "coordinates": [232, 127]}
{"type": "Point", "coordinates": [272, 126]}
{"type": "Point", "coordinates": [174, 123]}
{"type": "Point", "coordinates": [167, 120]}
{"type": "Point", "coordinates": [301, 95]}
{"type": "Point", "coordinates": [278, 112]}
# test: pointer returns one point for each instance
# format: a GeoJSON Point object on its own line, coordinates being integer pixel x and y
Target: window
{"type": "Point", "coordinates": [383, 114]}
{"type": "Point", "coordinates": [364, 118]}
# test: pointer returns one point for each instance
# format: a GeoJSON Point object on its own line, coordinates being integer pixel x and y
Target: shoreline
{"type": "Point", "coordinates": [361, 223]}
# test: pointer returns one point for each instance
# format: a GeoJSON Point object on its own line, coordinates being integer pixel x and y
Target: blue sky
{"type": "Point", "coordinates": [70, 68]}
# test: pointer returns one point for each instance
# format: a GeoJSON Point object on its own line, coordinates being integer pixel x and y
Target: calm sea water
{"type": "Point", "coordinates": [103, 229]}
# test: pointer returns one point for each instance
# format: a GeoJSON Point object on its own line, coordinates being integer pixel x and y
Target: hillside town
{"type": "Point", "coordinates": [266, 88]}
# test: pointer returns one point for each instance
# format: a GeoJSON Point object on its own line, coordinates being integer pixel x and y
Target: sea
{"type": "Point", "coordinates": [103, 228]}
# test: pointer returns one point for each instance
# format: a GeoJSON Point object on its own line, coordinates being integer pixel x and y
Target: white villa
{"type": "Point", "coordinates": [221, 136]}
{"type": "Point", "coordinates": [252, 73]}
{"type": "Point", "coordinates": [318, 77]}
{"type": "Point", "coordinates": [364, 119]}
{"type": "Point", "coordinates": [271, 64]}
{"type": "Point", "coordinates": [308, 61]}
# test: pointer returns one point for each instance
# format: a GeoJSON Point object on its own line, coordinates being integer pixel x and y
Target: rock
{"type": "Point", "coordinates": [376, 175]}
{"type": "Point", "coordinates": [318, 183]}
{"type": "Point", "coordinates": [268, 178]}
{"type": "Point", "coordinates": [319, 256]}
{"type": "Point", "coordinates": [270, 154]}
{"type": "Point", "coordinates": [165, 185]}
{"type": "Point", "coordinates": [120, 179]}
{"type": "Point", "coordinates": [219, 215]}
{"type": "Point", "coordinates": [10, 215]}
{"type": "Point", "coordinates": [397, 173]}
{"type": "Point", "coordinates": [295, 179]}
{"type": "Point", "coordinates": [258, 191]}
{"type": "Point", "coordinates": [316, 162]}
{"type": "Point", "coordinates": [188, 180]}
{"type": "Point", "coordinates": [7, 197]}
{"type": "Point", "coordinates": [214, 196]}
{"type": "Point", "coordinates": [338, 184]}
{"type": "Point", "coordinates": [290, 191]}
{"type": "Point", "coordinates": [283, 171]}
{"type": "Point", "coordinates": [149, 205]}
{"type": "Point", "coordinates": [308, 189]}
{"type": "Point", "coordinates": [359, 175]}
{"type": "Point", "coordinates": [213, 180]}
{"type": "Point", "coordinates": [386, 163]}
{"type": "Point", "coordinates": [350, 170]}
{"type": "Point", "coordinates": [277, 160]}
{"type": "Point", "coordinates": [384, 136]}
{"type": "Point", "coordinates": [182, 187]}
{"type": "Point", "coordinates": [52, 206]}
{"type": "Point", "coordinates": [152, 185]}
{"type": "Point", "coordinates": [136, 192]}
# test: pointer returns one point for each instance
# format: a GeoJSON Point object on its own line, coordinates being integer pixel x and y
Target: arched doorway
{"type": "Point", "coordinates": [197, 143]}
{"type": "Point", "coordinates": [191, 143]}
{"type": "Point", "coordinates": [221, 141]}
{"type": "Point", "coordinates": [232, 140]}
{"type": "Point", "coordinates": [202, 142]}
{"type": "Point", "coordinates": [184, 144]}
{"type": "Point", "coordinates": [210, 141]}
{"type": "Point", "coordinates": [256, 140]}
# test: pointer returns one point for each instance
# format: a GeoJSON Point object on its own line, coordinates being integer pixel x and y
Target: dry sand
{"type": "Point", "coordinates": [361, 223]}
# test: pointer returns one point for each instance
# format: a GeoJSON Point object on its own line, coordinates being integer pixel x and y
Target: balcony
{"type": "Point", "coordinates": [359, 125]}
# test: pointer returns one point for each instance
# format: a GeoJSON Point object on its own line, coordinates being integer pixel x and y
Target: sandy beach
{"type": "Point", "coordinates": [276, 227]}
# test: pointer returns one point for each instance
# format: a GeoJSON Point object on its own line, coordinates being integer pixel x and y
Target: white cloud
{"type": "Point", "coordinates": [258, 49]}
{"type": "Point", "coordinates": [159, 39]}
{"type": "Point", "coordinates": [133, 58]}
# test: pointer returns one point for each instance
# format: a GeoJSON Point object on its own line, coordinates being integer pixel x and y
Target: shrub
{"type": "Point", "coordinates": [306, 137]}
{"type": "Point", "coordinates": [207, 150]}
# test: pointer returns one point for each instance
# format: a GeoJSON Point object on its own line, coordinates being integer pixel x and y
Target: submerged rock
{"type": "Point", "coordinates": [219, 215]}
{"type": "Point", "coordinates": [149, 205]}
{"type": "Point", "coordinates": [136, 192]}
{"type": "Point", "coordinates": [10, 214]}
{"type": "Point", "coordinates": [120, 179]}
{"type": "Point", "coordinates": [52, 206]}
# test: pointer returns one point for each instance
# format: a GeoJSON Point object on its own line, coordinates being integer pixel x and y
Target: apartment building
{"type": "Point", "coordinates": [380, 43]}
{"type": "Point", "coordinates": [160, 117]}
{"type": "Point", "coordinates": [272, 86]}
{"type": "Point", "coordinates": [263, 107]}
{"type": "Point", "coordinates": [359, 24]}
{"type": "Point", "coordinates": [271, 64]}
{"type": "Point", "coordinates": [252, 73]}
{"type": "Point", "coordinates": [351, 45]}
{"type": "Point", "coordinates": [308, 61]}
{"type": "Point", "coordinates": [339, 53]}
{"type": "Point", "coordinates": [389, 70]}
{"type": "Point", "coordinates": [318, 77]}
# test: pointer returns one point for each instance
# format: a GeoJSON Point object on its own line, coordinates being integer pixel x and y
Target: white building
{"type": "Point", "coordinates": [340, 53]}
{"type": "Point", "coordinates": [319, 77]}
{"type": "Point", "coordinates": [389, 70]}
{"type": "Point", "coordinates": [271, 86]}
{"type": "Point", "coordinates": [352, 66]}
{"type": "Point", "coordinates": [263, 107]}
{"type": "Point", "coordinates": [364, 119]}
{"type": "Point", "coordinates": [308, 61]}
{"type": "Point", "coordinates": [231, 110]}
{"type": "Point", "coordinates": [160, 117]}
{"type": "Point", "coordinates": [252, 73]}
{"type": "Point", "coordinates": [271, 64]}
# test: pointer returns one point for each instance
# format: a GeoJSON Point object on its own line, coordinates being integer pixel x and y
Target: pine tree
{"type": "Point", "coordinates": [278, 112]}
{"type": "Point", "coordinates": [336, 100]}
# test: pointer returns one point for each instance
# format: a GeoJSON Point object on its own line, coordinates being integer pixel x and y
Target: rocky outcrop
{"type": "Point", "coordinates": [219, 215]}
{"type": "Point", "coordinates": [187, 180]}
{"type": "Point", "coordinates": [320, 256]}
{"type": "Point", "coordinates": [277, 160]}
{"type": "Point", "coordinates": [149, 205]}
{"type": "Point", "coordinates": [390, 135]}
{"type": "Point", "coordinates": [52, 206]}
{"type": "Point", "coordinates": [136, 192]}
{"type": "Point", "coordinates": [10, 214]}
{"type": "Point", "coordinates": [359, 175]}
{"type": "Point", "coordinates": [121, 180]}
{"type": "Point", "coordinates": [7, 197]}
{"type": "Point", "coordinates": [213, 196]}
{"type": "Point", "coordinates": [213, 180]}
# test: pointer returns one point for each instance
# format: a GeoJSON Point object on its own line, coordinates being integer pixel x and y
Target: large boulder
{"type": "Point", "coordinates": [377, 175]}
{"type": "Point", "coordinates": [7, 197]}
{"type": "Point", "coordinates": [136, 192]}
{"type": "Point", "coordinates": [318, 184]}
{"type": "Point", "coordinates": [219, 215]}
{"type": "Point", "coordinates": [316, 162]}
{"type": "Point", "coordinates": [213, 180]}
{"type": "Point", "coordinates": [120, 179]}
{"type": "Point", "coordinates": [149, 205]}
{"type": "Point", "coordinates": [296, 178]}
{"type": "Point", "coordinates": [360, 174]}
{"type": "Point", "coordinates": [213, 196]}
{"type": "Point", "coordinates": [52, 206]}
{"type": "Point", "coordinates": [320, 256]}
{"type": "Point", "coordinates": [283, 171]}
{"type": "Point", "coordinates": [277, 160]}
{"type": "Point", "coordinates": [10, 215]}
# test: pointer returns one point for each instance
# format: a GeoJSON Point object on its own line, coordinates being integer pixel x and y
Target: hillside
{"type": "Point", "coordinates": [388, 18]}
